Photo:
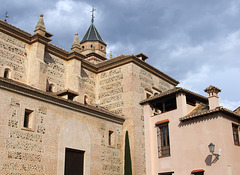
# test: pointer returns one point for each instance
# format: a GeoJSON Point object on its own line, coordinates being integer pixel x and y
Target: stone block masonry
{"type": "Point", "coordinates": [111, 90]}
{"type": "Point", "coordinates": [13, 55]}
{"type": "Point", "coordinates": [89, 85]}
{"type": "Point", "coordinates": [55, 71]}
{"type": "Point", "coordinates": [24, 149]}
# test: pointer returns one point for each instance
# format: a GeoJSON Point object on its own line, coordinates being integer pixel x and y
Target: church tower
{"type": "Point", "coordinates": [92, 41]}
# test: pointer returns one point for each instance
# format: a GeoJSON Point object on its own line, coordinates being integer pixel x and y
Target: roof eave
{"type": "Point", "coordinates": [216, 110]}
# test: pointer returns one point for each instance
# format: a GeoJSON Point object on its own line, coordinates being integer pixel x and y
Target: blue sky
{"type": "Point", "coordinates": [197, 42]}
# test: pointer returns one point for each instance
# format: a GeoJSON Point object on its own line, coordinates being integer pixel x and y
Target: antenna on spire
{"type": "Point", "coordinates": [6, 16]}
{"type": "Point", "coordinates": [92, 11]}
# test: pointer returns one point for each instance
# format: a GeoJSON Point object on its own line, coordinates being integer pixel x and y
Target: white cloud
{"type": "Point", "coordinates": [68, 14]}
{"type": "Point", "coordinates": [232, 105]}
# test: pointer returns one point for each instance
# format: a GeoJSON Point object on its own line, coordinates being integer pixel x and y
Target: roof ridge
{"type": "Point", "coordinates": [96, 32]}
{"type": "Point", "coordinates": [217, 109]}
{"type": "Point", "coordinates": [89, 29]}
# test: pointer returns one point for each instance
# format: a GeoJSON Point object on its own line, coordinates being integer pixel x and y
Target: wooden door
{"type": "Point", "coordinates": [74, 162]}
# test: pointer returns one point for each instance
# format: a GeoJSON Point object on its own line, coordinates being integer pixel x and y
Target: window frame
{"type": "Point", "coordinates": [235, 131]}
{"type": "Point", "coordinates": [166, 173]}
{"type": "Point", "coordinates": [7, 73]}
{"type": "Point", "coordinates": [29, 118]}
{"type": "Point", "coordinates": [111, 138]}
{"type": "Point", "coordinates": [163, 139]}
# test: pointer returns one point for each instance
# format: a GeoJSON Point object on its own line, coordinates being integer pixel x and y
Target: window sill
{"type": "Point", "coordinates": [27, 129]}
{"type": "Point", "coordinates": [110, 146]}
{"type": "Point", "coordinates": [164, 156]}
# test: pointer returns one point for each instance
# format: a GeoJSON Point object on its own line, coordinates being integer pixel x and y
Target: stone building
{"type": "Point", "coordinates": [181, 129]}
{"type": "Point", "coordinates": [60, 107]}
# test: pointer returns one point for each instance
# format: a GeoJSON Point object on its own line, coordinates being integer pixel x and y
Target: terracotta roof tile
{"type": "Point", "coordinates": [201, 108]}
{"type": "Point", "coordinates": [203, 112]}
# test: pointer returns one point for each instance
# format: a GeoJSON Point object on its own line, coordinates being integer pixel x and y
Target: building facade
{"type": "Point", "coordinates": [60, 107]}
{"type": "Point", "coordinates": [181, 125]}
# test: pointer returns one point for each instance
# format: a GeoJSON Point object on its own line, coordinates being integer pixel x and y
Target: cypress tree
{"type": "Point", "coordinates": [127, 157]}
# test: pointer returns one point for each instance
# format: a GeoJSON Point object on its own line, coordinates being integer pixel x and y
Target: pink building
{"type": "Point", "coordinates": [180, 126]}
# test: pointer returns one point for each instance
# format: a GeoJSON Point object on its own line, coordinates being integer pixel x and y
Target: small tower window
{"type": "Point", "coordinates": [6, 73]}
{"type": "Point", "coordinates": [28, 119]}
{"type": "Point", "coordinates": [86, 99]}
{"type": "Point", "coordinates": [110, 138]}
{"type": "Point", "coordinates": [51, 88]}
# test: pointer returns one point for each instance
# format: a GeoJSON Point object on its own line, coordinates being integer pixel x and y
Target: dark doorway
{"type": "Point", "coordinates": [74, 160]}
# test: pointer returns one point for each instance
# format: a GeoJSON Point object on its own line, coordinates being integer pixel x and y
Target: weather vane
{"type": "Point", "coordinates": [93, 9]}
{"type": "Point", "coordinates": [6, 16]}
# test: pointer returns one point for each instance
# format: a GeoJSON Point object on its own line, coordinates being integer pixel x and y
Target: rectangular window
{"type": "Point", "coordinates": [235, 134]}
{"type": "Point", "coordinates": [163, 140]}
{"type": "Point", "coordinates": [28, 119]}
{"type": "Point", "coordinates": [110, 138]}
{"type": "Point", "coordinates": [198, 173]}
{"type": "Point", "coordinates": [167, 173]}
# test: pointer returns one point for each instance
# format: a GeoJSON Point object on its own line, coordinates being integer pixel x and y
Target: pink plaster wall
{"type": "Point", "coordinates": [189, 143]}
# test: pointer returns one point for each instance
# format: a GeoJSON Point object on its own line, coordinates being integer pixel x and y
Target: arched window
{"type": "Point", "coordinates": [86, 99]}
{"type": "Point", "coordinates": [51, 88]}
{"type": "Point", "coordinates": [6, 73]}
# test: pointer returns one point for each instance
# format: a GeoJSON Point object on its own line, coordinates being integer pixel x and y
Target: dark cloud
{"type": "Point", "coordinates": [196, 42]}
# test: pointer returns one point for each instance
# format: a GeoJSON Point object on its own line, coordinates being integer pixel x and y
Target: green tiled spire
{"type": "Point", "coordinates": [92, 35]}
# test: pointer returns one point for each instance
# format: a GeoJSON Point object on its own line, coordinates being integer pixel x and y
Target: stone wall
{"type": "Point", "coordinates": [111, 155]}
{"type": "Point", "coordinates": [143, 82]}
{"type": "Point", "coordinates": [89, 85]}
{"type": "Point", "coordinates": [13, 55]}
{"type": "Point", "coordinates": [111, 90]}
{"type": "Point", "coordinates": [35, 151]}
{"type": "Point", "coordinates": [22, 150]}
{"type": "Point", "coordinates": [55, 71]}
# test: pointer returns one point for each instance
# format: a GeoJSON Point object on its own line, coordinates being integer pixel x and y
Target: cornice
{"type": "Point", "coordinates": [22, 89]}
{"type": "Point", "coordinates": [96, 55]}
{"type": "Point", "coordinates": [40, 38]}
{"type": "Point", "coordinates": [76, 55]}
{"type": "Point", "coordinates": [51, 48]}
{"type": "Point", "coordinates": [15, 32]}
{"type": "Point", "coordinates": [115, 62]}
{"type": "Point", "coordinates": [89, 66]}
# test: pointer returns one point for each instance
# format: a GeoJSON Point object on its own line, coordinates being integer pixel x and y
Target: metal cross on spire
{"type": "Point", "coordinates": [93, 9]}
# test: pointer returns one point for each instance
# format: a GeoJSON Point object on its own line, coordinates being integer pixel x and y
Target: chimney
{"type": "Point", "coordinates": [213, 99]}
